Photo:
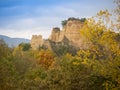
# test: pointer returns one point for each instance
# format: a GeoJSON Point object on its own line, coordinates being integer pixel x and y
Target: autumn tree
{"type": "Point", "coordinates": [103, 50]}
{"type": "Point", "coordinates": [45, 58]}
{"type": "Point", "coordinates": [4, 50]}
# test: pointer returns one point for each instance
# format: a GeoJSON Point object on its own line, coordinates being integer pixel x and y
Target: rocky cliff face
{"type": "Point", "coordinates": [70, 31]}
{"type": "Point", "coordinates": [70, 36]}
{"type": "Point", "coordinates": [36, 42]}
{"type": "Point", "coordinates": [55, 35]}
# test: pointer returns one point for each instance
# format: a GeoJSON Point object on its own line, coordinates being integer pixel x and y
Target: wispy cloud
{"type": "Point", "coordinates": [24, 20]}
{"type": "Point", "coordinates": [29, 26]}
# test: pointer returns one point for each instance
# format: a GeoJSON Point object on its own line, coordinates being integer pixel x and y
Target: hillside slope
{"type": "Point", "coordinates": [13, 41]}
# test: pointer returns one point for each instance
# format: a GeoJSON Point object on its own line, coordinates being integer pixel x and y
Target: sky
{"type": "Point", "coordinates": [24, 18]}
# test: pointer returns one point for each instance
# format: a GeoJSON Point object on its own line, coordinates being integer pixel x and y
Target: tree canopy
{"type": "Point", "coordinates": [94, 68]}
{"type": "Point", "coordinates": [64, 22]}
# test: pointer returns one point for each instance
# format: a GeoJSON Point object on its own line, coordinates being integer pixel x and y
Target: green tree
{"type": "Point", "coordinates": [8, 72]}
{"type": "Point", "coordinates": [64, 22]}
{"type": "Point", "coordinates": [83, 19]}
{"type": "Point", "coordinates": [25, 46]}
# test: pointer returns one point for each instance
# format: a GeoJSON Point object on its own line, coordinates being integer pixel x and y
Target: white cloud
{"type": "Point", "coordinates": [25, 28]}
{"type": "Point", "coordinates": [43, 19]}
{"type": "Point", "coordinates": [26, 33]}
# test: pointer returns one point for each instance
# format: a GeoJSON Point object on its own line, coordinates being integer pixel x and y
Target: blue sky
{"type": "Point", "coordinates": [23, 18]}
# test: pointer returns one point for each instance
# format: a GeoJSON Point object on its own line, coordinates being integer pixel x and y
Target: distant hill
{"type": "Point", "coordinates": [13, 41]}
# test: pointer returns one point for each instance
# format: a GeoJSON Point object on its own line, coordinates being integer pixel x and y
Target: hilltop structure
{"type": "Point", "coordinates": [69, 36]}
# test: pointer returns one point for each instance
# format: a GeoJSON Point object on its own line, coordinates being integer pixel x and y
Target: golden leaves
{"type": "Point", "coordinates": [45, 58]}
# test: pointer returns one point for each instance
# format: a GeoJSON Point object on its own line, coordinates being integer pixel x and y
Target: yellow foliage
{"type": "Point", "coordinates": [76, 63]}
{"type": "Point", "coordinates": [18, 52]}
{"type": "Point", "coordinates": [45, 58]}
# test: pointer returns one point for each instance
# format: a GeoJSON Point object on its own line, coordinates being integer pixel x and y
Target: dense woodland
{"type": "Point", "coordinates": [94, 68]}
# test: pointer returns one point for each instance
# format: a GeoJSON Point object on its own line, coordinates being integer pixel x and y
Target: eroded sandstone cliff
{"type": "Point", "coordinates": [36, 42]}
{"type": "Point", "coordinates": [68, 36]}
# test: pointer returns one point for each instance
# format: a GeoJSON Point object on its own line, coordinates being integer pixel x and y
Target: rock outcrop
{"type": "Point", "coordinates": [36, 42]}
{"type": "Point", "coordinates": [70, 31]}
{"type": "Point", "coordinates": [55, 35]}
{"type": "Point", "coordinates": [69, 36]}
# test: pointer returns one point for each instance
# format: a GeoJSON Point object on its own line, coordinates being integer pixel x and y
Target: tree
{"type": "Point", "coordinates": [45, 58]}
{"type": "Point", "coordinates": [25, 46]}
{"type": "Point", "coordinates": [7, 69]}
{"type": "Point", "coordinates": [103, 52]}
{"type": "Point", "coordinates": [83, 19]}
{"type": "Point", "coordinates": [64, 22]}
{"type": "Point", "coordinates": [4, 50]}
